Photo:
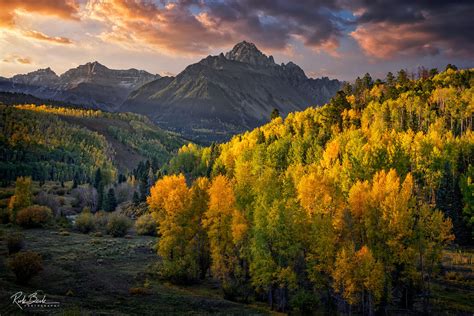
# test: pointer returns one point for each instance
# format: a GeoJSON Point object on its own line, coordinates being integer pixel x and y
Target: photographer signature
{"type": "Point", "coordinates": [35, 299]}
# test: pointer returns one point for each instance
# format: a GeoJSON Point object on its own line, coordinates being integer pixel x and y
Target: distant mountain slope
{"type": "Point", "coordinates": [13, 98]}
{"type": "Point", "coordinates": [92, 85]}
{"type": "Point", "coordinates": [54, 143]}
{"type": "Point", "coordinates": [224, 95]}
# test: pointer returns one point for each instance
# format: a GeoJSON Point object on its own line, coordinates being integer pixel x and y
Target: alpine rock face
{"type": "Point", "coordinates": [89, 85]}
{"type": "Point", "coordinates": [228, 94]}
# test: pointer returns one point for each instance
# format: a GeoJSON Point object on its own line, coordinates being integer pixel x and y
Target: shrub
{"type": "Point", "coordinates": [33, 216]}
{"type": "Point", "coordinates": [101, 219]}
{"type": "Point", "coordinates": [178, 272]}
{"type": "Point", "coordinates": [453, 276]}
{"type": "Point", "coordinates": [15, 242]}
{"type": "Point", "coordinates": [85, 197]}
{"type": "Point", "coordinates": [304, 302]}
{"type": "Point", "coordinates": [48, 200]}
{"type": "Point", "coordinates": [25, 265]}
{"type": "Point", "coordinates": [63, 222]}
{"type": "Point", "coordinates": [118, 225]}
{"type": "Point", "coordinates": [123, 192]}
{"type": "Point", "coordinates": [85, 222]}
{"type": "Point", "coordinates": [146, 225]}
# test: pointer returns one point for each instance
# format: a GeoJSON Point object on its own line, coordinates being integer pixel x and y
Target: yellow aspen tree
{"type": "Point", "coordinates": [169, 203]}
{"type": "Point", "coordinates": [218, 223]}
{"type": "Point", "coordinates": [198, 242]}
{"type": "Point", "coordinates": [22, 197]}
{"type": "Point", "coordinates": [358, 277]}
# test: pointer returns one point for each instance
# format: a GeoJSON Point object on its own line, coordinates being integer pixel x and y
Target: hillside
{"type": "Point", "coordinates": [347, 206]}
{"type": "Point", "coordinates": [54, 143]}
{"type": "Point", "coordinates": [15, 98]}
{"type": "Point", "coordinates": [221, 96]}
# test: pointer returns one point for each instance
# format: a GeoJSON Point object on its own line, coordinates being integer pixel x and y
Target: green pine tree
{"type": "Point", "coordinates": [110, 202]}
{"type": "Point", "coordinates": [275, 114]}
{"type": "Point", "coordinates": [136, 198]}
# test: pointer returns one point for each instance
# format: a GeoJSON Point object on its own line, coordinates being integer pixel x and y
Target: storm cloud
{"type": "Point", "coordinates": [346, 35]}
{"type": "Point", "coordinates": [387, 29]}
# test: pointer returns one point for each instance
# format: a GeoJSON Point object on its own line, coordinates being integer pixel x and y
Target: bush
{"type": "Point", "coordinates": [101, 219]}
{"type": "Point", "coordinates": [63, 222]}
{"type": "Point", "coordinates": [85, 197]}
{"type": "Point", "coordinates": [15, 242]}
{"type": "Point", "coordinates": [34, 216]}
{"type": "Point", "coordinates": [123, 192]}
{"type": "Point", "coordinates": [178, 272]}
{"type": "Point", "coordinates": [118, 225]}
{"type": "Point", "coordinates": [48, 200]}
{"type": "Point", "coordinates": [85, 222]}
{"type": "Point", "coordinates": [25, 265]}
{"type": "Point", "coordinates": [304, 302]}
{"type": "Point", "coordinates": [146, 225]}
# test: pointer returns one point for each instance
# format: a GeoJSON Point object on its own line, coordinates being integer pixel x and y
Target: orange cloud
{"type": "Point", "coordinates": [43, 37]}
{"type": "Point", "coordinates": [13, 58]}
{"type": "Point", "coordinates": [65, 9]}
{"type": "Point", "coordinates": [171, 28]}
{"type": "Point", "coordinates": [387, 40]}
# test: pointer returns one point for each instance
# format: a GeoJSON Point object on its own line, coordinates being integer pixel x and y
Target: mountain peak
{"type": "Point", "coordinates": [246, 45]}
{"type": "Point", "coordinates": [95, 65]}
{"type": "Point", "coordinates": [247, 52]}
{"type": "Point", "coordinates": [44, 76]}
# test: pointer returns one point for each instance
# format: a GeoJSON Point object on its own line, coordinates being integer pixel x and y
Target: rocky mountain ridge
{"type": "Point", "coordinates": [90, 85]}
{"type": "Point", "coordinates": [227, 94]}
{"type": "Point", "coordinates": [210, 100]}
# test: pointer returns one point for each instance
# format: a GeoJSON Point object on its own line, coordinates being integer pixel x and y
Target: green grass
{"type": "Point", "coordinates": [453, 290]}
{"type": "Point", "coordinates": [94, 275]}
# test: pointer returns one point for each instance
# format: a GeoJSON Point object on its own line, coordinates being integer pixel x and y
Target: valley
{"type": "Point", "coordinates": [211, 100]}
{"type": "Point", "coordinates": [362, 205]}
{"type": "Point", "coordinates": [54, 143]}
{"type": "Point", "coordinates": [236, 157]}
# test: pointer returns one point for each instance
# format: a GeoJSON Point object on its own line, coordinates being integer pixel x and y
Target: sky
{"type": "Point", "coordinates": [340, 39]}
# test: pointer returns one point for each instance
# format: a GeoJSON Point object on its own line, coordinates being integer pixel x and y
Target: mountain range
{"type": "Point", "coordinates": [208, 101]}
{"type": "Point", "coordinates": [228, 94]}
{"type": "Point", "coordinates": [91, 85]}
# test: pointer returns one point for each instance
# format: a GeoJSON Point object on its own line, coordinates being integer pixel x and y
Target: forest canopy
{"type": "Point", "coordinates": [350, 203]}
{"type": "Point", "coordinates": [60, 144]}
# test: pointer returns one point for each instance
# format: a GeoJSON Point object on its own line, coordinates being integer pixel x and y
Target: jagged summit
{"type": "Point", "coordinates": [43, 71]}
{"type": "Point", "coordinates": [246, 52]}
{"type": "Point", "coordinates": [224, 95]}
{"type": "Point", "coordinates": [91, 84]}
{"type": "Point", "coordinates": [91, 68]}
{"type": "Point", "coordinates": [46, 77]}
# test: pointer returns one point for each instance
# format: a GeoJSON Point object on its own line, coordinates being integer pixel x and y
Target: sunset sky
{"type": "Point", "coordinates": [336, 38]}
